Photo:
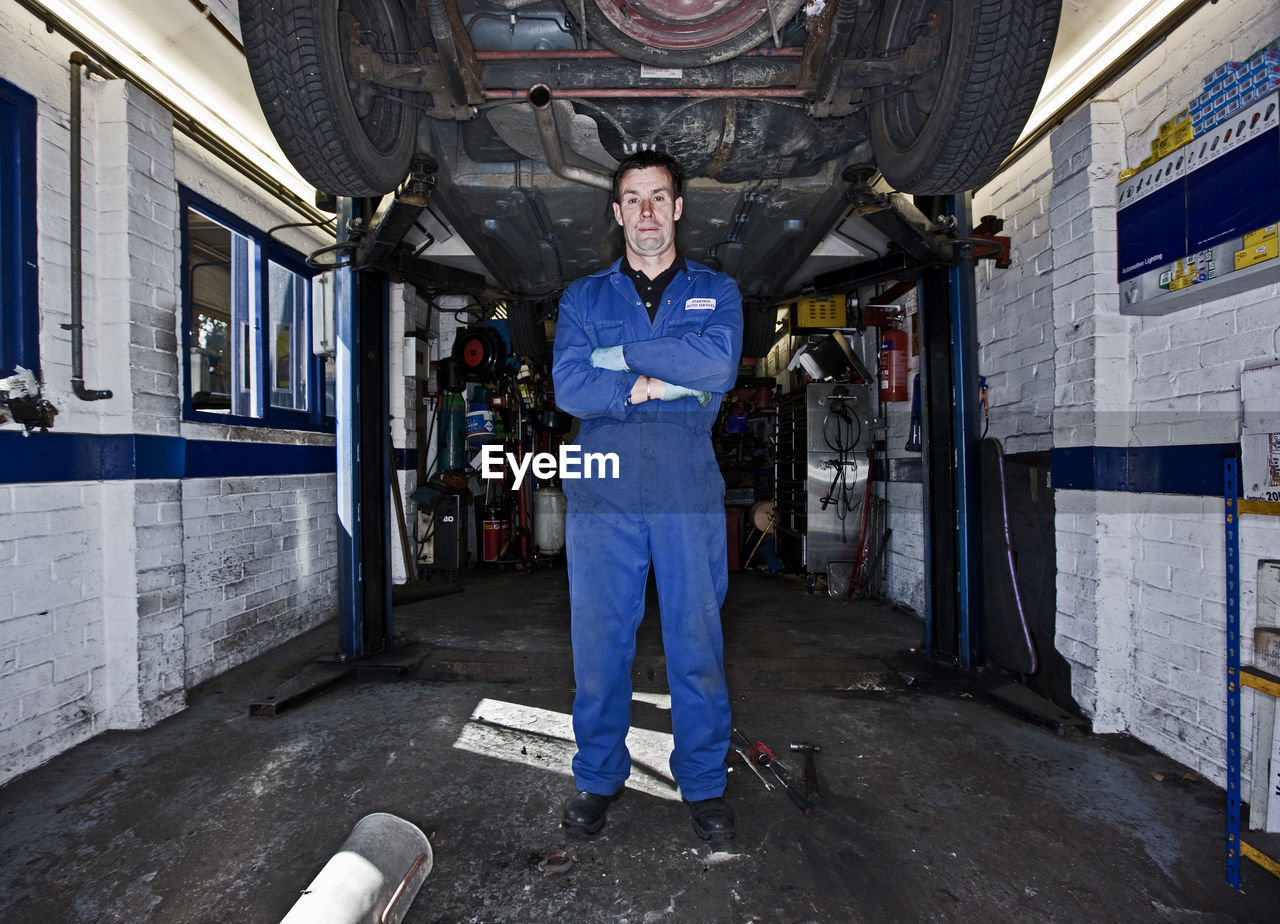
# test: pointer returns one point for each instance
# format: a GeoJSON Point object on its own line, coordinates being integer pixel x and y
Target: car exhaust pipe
{"type": "Point", "coordinates": [374, 876]}
{"type": "Point", "coordinates": [544, 112]}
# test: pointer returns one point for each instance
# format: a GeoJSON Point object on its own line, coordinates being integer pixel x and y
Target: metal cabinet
{"type": "Point", "coordinates": [824, 433]}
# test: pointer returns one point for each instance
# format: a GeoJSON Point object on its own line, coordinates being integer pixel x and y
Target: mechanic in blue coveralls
{"type": "Point", "coordinates": [644, 351]}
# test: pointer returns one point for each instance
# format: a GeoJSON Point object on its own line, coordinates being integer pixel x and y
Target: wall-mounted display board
{"type": "Point", "coordinates": [1201, 223]}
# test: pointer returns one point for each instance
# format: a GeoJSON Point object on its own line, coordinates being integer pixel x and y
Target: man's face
{"type": "Point", "coordinates": [648, 211]}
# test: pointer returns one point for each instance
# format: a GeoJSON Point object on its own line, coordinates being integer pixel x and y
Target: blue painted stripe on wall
{"type": "Point", "coordinates": [1188, 469]}
{"type": "Point", "coordinates": [211, 459]}
{"type": "Point", "coordinates": [54, 456]}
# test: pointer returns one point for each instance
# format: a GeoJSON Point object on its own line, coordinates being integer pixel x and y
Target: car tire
{"type": "Point", "coordinates": [949, 129]}
{"type": "Point", "coordinates": [643, 33]}
{"type": "Point", "coordinates": [524, 324]}
{"type": "Point", "coordinates": [345, 138]}
{"type": "Point", "coordinates": [759, 329]}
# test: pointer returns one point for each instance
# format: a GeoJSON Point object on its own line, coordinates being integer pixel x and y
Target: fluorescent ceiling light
{"type": "Point", "coordinates": [183, 56]}
{"type": "Point", "coordinates": [1100, 47]}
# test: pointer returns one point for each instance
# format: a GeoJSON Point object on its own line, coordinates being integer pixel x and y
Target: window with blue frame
{"type": "Point", "coordinates": [19, 320]}
{"type": "Point", "coordinates": [287, 327]}
{"type": "Point", "coordinates": [246, 303]}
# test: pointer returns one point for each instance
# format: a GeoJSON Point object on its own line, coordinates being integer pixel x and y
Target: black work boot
{"type": "Point", "coordinates": [585, 812]}
{"type": "Point", "coordinates": [712, 819]}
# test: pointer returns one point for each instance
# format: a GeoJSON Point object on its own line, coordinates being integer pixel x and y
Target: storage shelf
{"type": "Point", "coordinates": [1259, 507]}
{"type": "Point", "coordinates": [1260, 680]}
{"type": "Point", "coordinates": [1264, 855]}
{"type": "Point", "coordinates": [1261, 847]}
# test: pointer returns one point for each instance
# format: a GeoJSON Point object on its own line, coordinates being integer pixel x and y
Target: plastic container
{"type": "Point", "coordinates": [480, 427]}
{"type": "Point", "coordinates": [548, 520]}
{"type": "Point", "coordinates": [450, 441]}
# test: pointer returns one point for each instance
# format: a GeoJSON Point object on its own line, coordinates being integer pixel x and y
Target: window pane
{"type": "Point", "coordinates": [19, 305]}
{"type": "Point", "coordinates": [11, 295]}
{"type": "Point", "coordinates": [8, 291]}
{"type": "Point", "coordinates": [330, 387]}
{"type": "Point", "coordinates": [287, 328]}
{"type": "Point", "coordinates": [209, 279]}
{"type": "Point", "coordinates": [220, 273]}
{"type": "Point", "coordinates": [246, 344]}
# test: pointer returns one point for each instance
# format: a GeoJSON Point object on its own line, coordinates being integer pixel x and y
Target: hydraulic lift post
{"type": "Point", "coordinates": [952, 509]}
{"type": "Point", "coordinates": [364, 580]}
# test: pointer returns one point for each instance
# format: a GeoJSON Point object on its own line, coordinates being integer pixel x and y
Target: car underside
{"type": "Point", "coordinates": [523, 108]}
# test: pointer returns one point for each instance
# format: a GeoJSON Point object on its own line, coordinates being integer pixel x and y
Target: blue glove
{"type": "Point", "coordinates": [676, 392]}
{"type": "Point", "coordinates": [609, 358]}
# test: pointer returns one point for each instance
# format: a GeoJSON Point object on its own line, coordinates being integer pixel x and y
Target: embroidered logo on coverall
{"type": "Point", "coordinates": [700, 304]}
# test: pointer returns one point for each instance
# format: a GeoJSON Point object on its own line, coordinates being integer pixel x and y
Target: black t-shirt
{"type": "Point", "coordinates": [650, 290]}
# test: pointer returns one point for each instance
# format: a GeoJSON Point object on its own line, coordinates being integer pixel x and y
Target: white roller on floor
{"type": "Point", "coordinates": [372, 879]}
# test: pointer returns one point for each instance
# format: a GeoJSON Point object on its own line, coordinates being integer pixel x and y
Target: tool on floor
{"type": "Point", "coordinates": [750, 761]}
{"type": "Point", "coordinates": [812, 793]}
{"type": "Point", "coordinates": [759, 754]}
{"type": "Point", "coordinates": [742, 744]}
{"type": "Point", "coordinates": [373, 877]}
{"type": "Point", "coordinates": [783, 775]}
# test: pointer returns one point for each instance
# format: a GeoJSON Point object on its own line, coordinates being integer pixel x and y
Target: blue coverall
{"type": "Point", "coordinates": [666, 506]}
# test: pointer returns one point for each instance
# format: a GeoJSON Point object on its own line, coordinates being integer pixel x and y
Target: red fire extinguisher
{"type": "Point", "coordinates": [893, 365]}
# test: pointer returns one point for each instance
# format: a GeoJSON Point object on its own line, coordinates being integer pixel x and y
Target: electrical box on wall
{"type": "Point", "coordinates": [1200, 223]}
{"type": "Point", "coordinates": [815, 314]}
{"type": "Point", "coordinates": [415, 363]}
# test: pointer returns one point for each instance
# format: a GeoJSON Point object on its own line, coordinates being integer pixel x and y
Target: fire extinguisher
{"type": "Point", "coordinates": [893, 365]}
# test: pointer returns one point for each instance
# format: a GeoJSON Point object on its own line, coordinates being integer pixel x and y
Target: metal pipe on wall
{"type": "Point", "coordinates": [78, 61]}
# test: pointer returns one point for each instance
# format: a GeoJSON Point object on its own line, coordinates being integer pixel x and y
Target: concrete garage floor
{"type": "Point", "coordinates": [938, 806]}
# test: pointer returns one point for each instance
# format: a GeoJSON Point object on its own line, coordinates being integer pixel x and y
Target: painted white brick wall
{"type": "Point", "coordinates": [905, 581]}
{"type": "Point", "coordinates": [260, 557]}
{"type": "Point", "coordinates": [112, 601]}
{"type": "Point", "coordinates": [1185, 375]}
{"type": "Point", "coordinates": [51, 636]}
{"type": "Point", "coordinates": [1015, 336]}
{"type": "Point", "coordinates": [1095, 597]}
{"type": "Point", "coordinates": [94, 560]}
{"type": "Point", "coordinates": [1141, 603]}
{"type": "Point", "coordinates": [409, 313]}
{"type": "Point", "coordinates": [138, 259]}
{"type": "Point", "coordinates": [136, 269]}
{"type": "Point", "coordinates": [904, 577]}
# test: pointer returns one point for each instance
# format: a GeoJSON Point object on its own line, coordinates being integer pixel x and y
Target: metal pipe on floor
{"type": "Point", "coordinates": [78, 61]}
{"type": "Point", "coordinates": [374, 876]}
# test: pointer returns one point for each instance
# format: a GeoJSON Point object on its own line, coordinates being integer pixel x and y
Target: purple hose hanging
{"type": "Point", "coordinates": [1008, 551]}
